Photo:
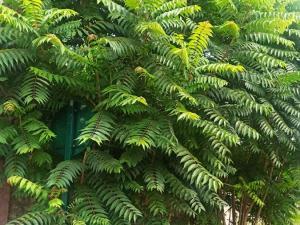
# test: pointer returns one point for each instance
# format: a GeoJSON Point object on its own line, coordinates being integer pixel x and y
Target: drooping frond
{"type": "Point", "coordinates": [12, 59]}
{"type": "Point", "coordinates": [64, 174]}
{"type": "Point", "coordinates": [31, 189]}
{"type": "Point", "coordinates": [100, 161]}
{"type": "Point", "coordinates": [88, 207]}
{"type": "Point", "coordinates": [111, 195]}
{"type": "Point", "coordinates": [98, 129]}
{"type": "Point", "coordinates": [33, 218]}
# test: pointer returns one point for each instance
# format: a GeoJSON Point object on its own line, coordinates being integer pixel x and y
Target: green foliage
{"type": "Point", "coordinates": [64, 173]}
{"type": "Point", "coordinates": [30, 188]}
{"type": "Point", "coordinates": [196, 107]}
{"type": "Point", "coordinates": [98, 129]}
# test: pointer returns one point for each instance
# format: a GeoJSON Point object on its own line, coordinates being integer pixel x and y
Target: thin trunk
{"type": "Point", "coordinates": [241, 210]}
{"type": "Point", "coordinates": [223, 217]}
{"type": "Point", "coordinates": [264, 197]}
{"type": "Point", "coordinates": [233, 209]}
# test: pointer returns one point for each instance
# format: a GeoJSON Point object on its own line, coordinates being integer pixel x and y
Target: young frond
{"type": "Point", "coordinates": [199, 38]}
{"type": "Point", "coordinates": [64, 174]}
{"type": "Point", "coordinates": [183, 114]}
{"type": "Point", "coordinates": [33, 10]}
{"type": "Point", "coordinates": [98, 129]}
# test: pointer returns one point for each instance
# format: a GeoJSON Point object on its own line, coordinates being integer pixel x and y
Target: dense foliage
{"type": "Point", "coordinates": [196, 109]}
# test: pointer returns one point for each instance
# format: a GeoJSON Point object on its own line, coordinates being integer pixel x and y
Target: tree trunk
{"type": "Point", "coordinates": [233, 209]}
{"type": "Point", "coordinates": [264, 197]}
{"type": "Point", "coordinates": [5, 197]}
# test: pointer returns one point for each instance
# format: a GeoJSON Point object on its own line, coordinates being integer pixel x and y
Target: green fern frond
{"type": "Point", "coordinates": [199, 38]}
{"type": "Point", "coordinates": [197, 174]}
{"type": "Point", "coordinates": [266, 127]}
{"type": "Point", "coordinates": [253, 58]}
{"type": "Point", "coordinates": [15, 165]}
{"type": "Point", "coordinates": [183, 192]}
{"type": "Point", "coordinates": [98, 129]}
{"type": "Point", "coordinates": [227, 8]}
{"type": "Point", "coordinates": [132, 157]}
{"type": "Point", "coordinates": [142, 133]}
{"type": "Point", "coordinates": [31, 189]}
{"type": "Point", "coordinates": [26, 143]}
{"type": "Point", "coordinates": [34, 89]}
{"type": "Point", "coordinates": [184, 11]}
{"type": "Point", "coordinates": [64, 174]}
{"type": "Point", "coordinates": [154, 178]}
{"type": "Point", "coordinates": [246, 131]}
{"type": "Point", "coordinates": [55, 78]}
{"type": "Point", "coordinates": [157, 206]}
{"type": "Point", "coordinates": [54, 16]}
{"type": "Point", "coordinates": [168, 6]}
{"type": "Point", "coordinates": [50, 39]}
{"type": "Point", "coordinates": [15, 20]}
{"type": "Point", "coordinates": [38, 128]}
{"type": "Point", "coordinates": [122, 46]}
{"type": "Point", "coordinates": [220, 68]}
{"type": "Point", "coordinates": [100, 161]}
{"type": "Point", "coordinates": [111, 195]}
{"type": "Point", "coordinates": [88, 207]}
{"type": "Point", "coordinates": [7, 134]}
{"type": "Point", "coordinates": [267, 38]}
{"type": "Point", "coordinates": [12, 59]}
{"type": "Point", "coordinates": [267, 25]}
{"type": "Point", "coordinates": [33, 218]}
{"type": "Point", "coordinates": [150, 27]}
{"type": "Point", "coordinates": [33, 10]}
{"type": "Point", "coordinates": [120, 96]}
{"type": "Point", "coordinates": [41, 158]}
